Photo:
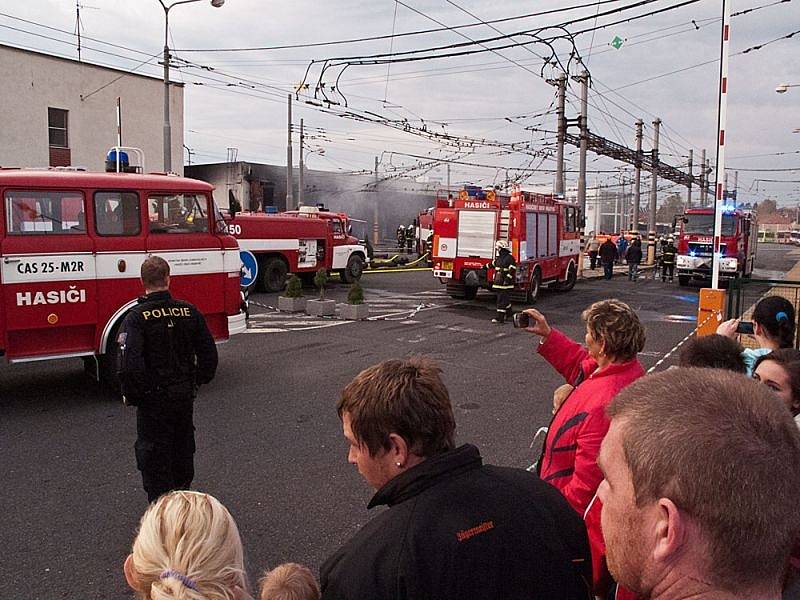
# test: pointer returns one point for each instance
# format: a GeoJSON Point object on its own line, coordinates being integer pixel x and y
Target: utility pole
{"type": "Point", "coordinates": [300, 195]}
{"type": "Point", "coordinates": [691, 177]}
{"type": "Point", "coordinates": [736, 188]}
{"type": "Point", "coordinates": [561, 129]}
{"type": "Point", "coordinates": [637, 184]}
{"type": "Point", "coordinates": [448, 180]}
{"type": "Point", "coordinates": [584, 125]}
{"type": "Point", "coordinates": [651, 235]}
{"type": "Point", "coordinates": [375, 227]}
{"type": "Point", "coordinates": [703, 178]}
{"type": "Point", "coordinates": [289, 177]}
{"type": "Point", "coordinates": [708, 183]}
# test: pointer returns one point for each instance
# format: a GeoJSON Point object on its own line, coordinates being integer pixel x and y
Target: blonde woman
{"type": "Point", "coordinates": [187, 548]}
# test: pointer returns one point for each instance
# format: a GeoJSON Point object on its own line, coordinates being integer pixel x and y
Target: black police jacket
{"type": "Point", "coordinates": [166, 349]}
{"type": "Point", "coordinates": [456, 528]}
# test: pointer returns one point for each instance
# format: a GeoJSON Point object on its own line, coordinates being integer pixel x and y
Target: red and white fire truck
{"type": "Point", "coordinates": [542, 232]}
{"type": "Point", "coordinates": [738, 241]}
{"type": "Point", "coordinates": [72, 244]}
{"type": "Point", "coordinates": [301, 242]}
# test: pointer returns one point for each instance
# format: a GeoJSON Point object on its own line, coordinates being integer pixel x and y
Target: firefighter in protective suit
{"type": "Point", "coordinates": [411, 236]}
{"type": "Point", "coordinates": [166, 351]}
{"type": "Point", "coordinates": [401, 236]}
{"type": "Point", "coordinates": [505, 272]}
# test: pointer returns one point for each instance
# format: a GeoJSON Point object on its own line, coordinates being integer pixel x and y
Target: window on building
{"type": "Point", "coordinates": [117, 213]}
{"type": "Point", "coordinates": [57, 127]}
{"type": "Point", "coordinates": [178, 213]}
{"type": "Point", "coordinates": [44, 213]}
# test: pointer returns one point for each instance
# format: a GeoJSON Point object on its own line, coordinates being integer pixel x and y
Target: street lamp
{"type": "Point", "coordinates": [167, 128]}
{"type": "Point", "coordinates": [784, 87]}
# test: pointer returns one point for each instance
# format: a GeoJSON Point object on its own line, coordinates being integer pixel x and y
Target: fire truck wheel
{"type": "Point", "coordinates": [536, 285]}
{"type": "Point", "coordinates": [569, 282]}
{"type": "Point", "coordinates": [273, 275]}
{"type": "Point", "coordinates": [470, 292]}
{"type": "Point", "coordinates": [355, 266]}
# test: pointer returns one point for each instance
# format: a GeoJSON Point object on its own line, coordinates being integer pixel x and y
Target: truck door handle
{"type": "Point", "coordinates": [11, 260]}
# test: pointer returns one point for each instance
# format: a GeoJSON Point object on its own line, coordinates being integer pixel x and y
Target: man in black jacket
{"type": "Point", "coordinates": [166, 350]}
{"type": "Point", "coordinates": [608, 256]}
{"type": "Point", "coordinates": [455, 528]}
{"type": "Point", "coordinates": [634, 258]}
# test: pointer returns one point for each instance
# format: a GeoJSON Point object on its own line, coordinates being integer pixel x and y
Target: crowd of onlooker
{"type": "Point", "coordinates": [678, 484]}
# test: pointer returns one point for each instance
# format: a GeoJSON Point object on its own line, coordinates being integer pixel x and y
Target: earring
{"type": "Point", "coordinates": [399, 464]}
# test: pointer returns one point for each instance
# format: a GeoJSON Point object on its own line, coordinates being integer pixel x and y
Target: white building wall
{"type": "Point", "coordinates": [32, 82]}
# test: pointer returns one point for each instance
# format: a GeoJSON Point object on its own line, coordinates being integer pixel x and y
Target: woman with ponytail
{"type": "Point", "coordinates": [773, 328]}
{"type": "Point", "coordinates": [187, 548]}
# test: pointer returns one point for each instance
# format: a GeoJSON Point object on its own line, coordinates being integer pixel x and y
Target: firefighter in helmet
{"type": "Point", "coordinates": [668, 256]}
{"type": "Point", "coordinates": [401, 236]}
{"type": "Point", "coordinates": [505, 271]}
{"type": "Point", "coordinates": [411, 236]}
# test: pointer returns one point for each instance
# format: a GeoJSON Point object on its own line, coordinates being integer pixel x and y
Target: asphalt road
{"type": "Point", "coordinates": [269, 440]}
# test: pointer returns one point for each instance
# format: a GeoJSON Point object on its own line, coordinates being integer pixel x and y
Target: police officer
{"type": "Point", "coordinates": [505, 271]}
{"type": "Point", "coordinates": [668, 255]}
{"type": "Point", "coordinates": [166, 351]}
{"type": "Point", "coordinates": [411, 235]}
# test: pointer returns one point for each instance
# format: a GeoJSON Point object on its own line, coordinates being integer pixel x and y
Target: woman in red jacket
{"type": "Point", "coordinates": [608, 363]}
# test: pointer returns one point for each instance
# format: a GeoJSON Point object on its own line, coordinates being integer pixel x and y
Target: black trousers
{"type": "Point", "coordinates": [667, 271]}
{"type": "Point", "coordinates": [503, 303]}
{"type": "Point", "coordinates": [165, 446]}
{"type": "Point", "coordinates": [592, 259]}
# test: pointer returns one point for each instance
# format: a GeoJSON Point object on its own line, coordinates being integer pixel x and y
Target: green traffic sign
{"type": "Point", "coordinates": [617, 42]}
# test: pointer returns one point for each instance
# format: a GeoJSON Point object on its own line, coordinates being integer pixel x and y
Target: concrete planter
{"type": "Point", "coordinates": [286, 304]}
{"type": "Point", "coordinates": [354, 312]}
{"type": "Point", "coordinates": [321, 308]}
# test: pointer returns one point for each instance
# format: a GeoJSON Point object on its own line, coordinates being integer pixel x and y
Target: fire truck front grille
{"type": "Point", "coordinates": [697, 249]}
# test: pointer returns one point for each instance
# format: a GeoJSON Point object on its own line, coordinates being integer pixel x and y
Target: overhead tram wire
{"type": "Point", "coordinates": [402, 34]}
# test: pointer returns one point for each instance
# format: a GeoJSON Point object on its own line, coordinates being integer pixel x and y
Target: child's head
{"type": "Point", "coordinates": [187, 547]}
{"type": "Point", "coordinates": [289, 581]}
{"type": "Point", "coordinates": [780, 371]}
{"type": "Point", "coordinates": [714, 352]}
{"type": "Point", "coordinates": [775, 317]}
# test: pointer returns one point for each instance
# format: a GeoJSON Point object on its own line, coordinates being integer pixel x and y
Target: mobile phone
{"type": "Point", "coordinates": [745, 327]}
{"type": "Point", "coordinates": [521, 320]}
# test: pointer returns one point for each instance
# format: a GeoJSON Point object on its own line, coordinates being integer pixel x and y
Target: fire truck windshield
{"type": "Point", "coordinates": [704, 225]}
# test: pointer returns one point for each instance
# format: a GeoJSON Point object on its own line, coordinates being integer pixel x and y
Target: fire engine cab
{"type": "Point", "coordinates": [542, 232]}
{"type": "Point", "coordinates": [301, 241]}
{"type": "Point", "coordinates": [695, 243]}
{"type": "Point", "coordinates": [71, 247]}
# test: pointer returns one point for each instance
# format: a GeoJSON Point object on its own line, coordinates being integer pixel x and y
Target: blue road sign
{"type": "Point", "coordinates": [249, 268]}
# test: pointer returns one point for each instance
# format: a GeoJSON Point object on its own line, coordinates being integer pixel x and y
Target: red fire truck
{"type": "Point", "coordinates": [695, 242]}
{"type": "Point", "coordinates": [543, 234]}
{"type": "Point", "coordinates": [299, 242]}
{"type": "Point", "coordinates": [72, 244]}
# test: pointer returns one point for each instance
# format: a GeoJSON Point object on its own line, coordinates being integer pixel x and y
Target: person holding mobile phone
{"type": "Point", "coordinates": [598, 371]}
{"type": "Point", "coordinates": [773, 327]}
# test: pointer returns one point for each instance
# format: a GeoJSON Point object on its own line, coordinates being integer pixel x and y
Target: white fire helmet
{"type": "Point", "coordinates": [501, 245]}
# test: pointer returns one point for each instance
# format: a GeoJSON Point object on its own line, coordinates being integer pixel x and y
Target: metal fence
{"type": "Point", "coordinates": [744, 294]}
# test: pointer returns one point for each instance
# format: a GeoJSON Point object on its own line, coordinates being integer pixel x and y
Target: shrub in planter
{"type": "Point", "coordinates": [355, 309]}
{"type": "Point", "coordinates": [321, 307]}
{"type": "Point", "coordinates": [292, 300]}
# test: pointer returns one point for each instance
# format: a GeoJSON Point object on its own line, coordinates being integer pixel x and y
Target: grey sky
{"type": "Point", "coordinates": [471, 94]}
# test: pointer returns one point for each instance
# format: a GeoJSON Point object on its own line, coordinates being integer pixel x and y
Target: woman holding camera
{"type": "Point", "coordinates": [608, 363]}
{"type": "Point", "coordinates": [773, 327]}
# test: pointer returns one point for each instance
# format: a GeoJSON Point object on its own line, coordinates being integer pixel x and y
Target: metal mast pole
{"type": "Point", "coordinates": [651, 235]}
{"type": "Point", "coordinates": [691, 178]}
{"type": "Point", "coordinates": [167, 129]}
{"type": "Point", "coordinates": [703, 183]}
{"type": "Point", "coordinates": [375, 226]}
{"type": "Point", "coordinates": [561, 127]}
{"type": "Point", "coordinates": [722, 117]}
{"type": "Point", "coordinates": [289, 177]}
{"type": "Point", "coordinates": [637, 184]}
{"type": "Point", "coordinates": [584, 125]}
{"type": "Point", "coordinates": [300, 174]}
